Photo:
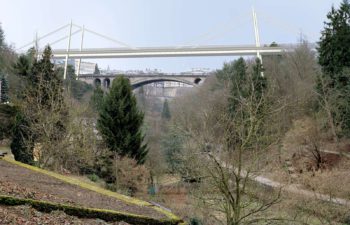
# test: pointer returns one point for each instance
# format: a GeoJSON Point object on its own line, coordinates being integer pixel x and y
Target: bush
{"type": "Point", "coordinates": [22, 144]}
{"type": "Point", "coordinates": [93, 177]}
{"type": "Point", "coordinates": [195, 221]}
{"type": "Point", "coordinates": [78, 149]}
{"type": "Point", "coordinates": [7, 120]}
{"type": "Point", "coordinates": [347, 220]}
{"type": "Point", "coordinates": [130, 178]}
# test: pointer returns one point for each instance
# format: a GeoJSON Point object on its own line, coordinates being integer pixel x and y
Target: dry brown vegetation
{"type": "Point", "coordinates": [294, 163]}
{"type": "Point", "coordinates": [25, 215]}
{"type": "Point", "coordinates": [295, 146]}
{"type": "Point", "coordinates": [304, 153]}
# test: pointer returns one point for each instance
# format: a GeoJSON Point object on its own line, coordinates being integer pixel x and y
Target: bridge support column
{"type": "Point", "coordinates": [81, 48]}
{"type": "Point", "coordinates": [68, 48]}
{"type": "Point", "coordinates": [36, 45]}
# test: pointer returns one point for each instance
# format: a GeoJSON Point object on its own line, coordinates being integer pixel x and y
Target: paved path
{"type": "Point", "coordinates": [294, 189]}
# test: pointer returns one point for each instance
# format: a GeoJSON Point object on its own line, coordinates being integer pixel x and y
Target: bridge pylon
{"type": "Point", "coordinates": [257, 37]}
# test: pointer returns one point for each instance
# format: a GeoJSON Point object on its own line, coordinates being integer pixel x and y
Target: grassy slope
{"type": "Point", "coordinates": [172, 219]}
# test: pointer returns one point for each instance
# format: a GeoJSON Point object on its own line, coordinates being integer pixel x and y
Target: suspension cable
{"type": "Point", "coordinates": [222, 33]}
{"type": "Point", "coordinates": [108, 38]}
{"type": "Point", "coordinates": [291, 29]}
{"type": "Point", "coordinates": [216, 28]}
{"type": "Point", "coordinates": [65, 37]}
{"type": "Point", "coordinates": [44, 36]}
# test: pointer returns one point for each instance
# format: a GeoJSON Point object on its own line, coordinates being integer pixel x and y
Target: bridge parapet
{"type": "Point", "coordinates": [138, 80]}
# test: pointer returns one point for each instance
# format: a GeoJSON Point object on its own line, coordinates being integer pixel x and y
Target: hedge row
{"type": "Point", "coordinates": [106, 215]}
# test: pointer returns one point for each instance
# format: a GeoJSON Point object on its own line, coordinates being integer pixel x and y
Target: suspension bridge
{"type": "Point", "coordinates": [127, 51]}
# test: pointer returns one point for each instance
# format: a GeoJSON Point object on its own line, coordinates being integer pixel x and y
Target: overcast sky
{"type": "Point", "coordinates": [145, 23]}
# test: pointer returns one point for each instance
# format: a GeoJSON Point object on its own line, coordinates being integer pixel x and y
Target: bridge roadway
{"type": "Point", "coordinates": [140, 79]}
{"type": "Point", "coordinates": [213, 50]}
{"type": "Point", "coordinates": [153, 75]}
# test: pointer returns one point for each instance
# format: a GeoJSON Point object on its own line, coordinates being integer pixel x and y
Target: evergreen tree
{"type": "Point", "coordinates": [47, 87]}
{"type": "Point", "coordinates": [76, 88]}
{"type": "Point", "coordinates": [8, 114]}
{"type": "Point", "coordinates": [273, 44]}
{"type": "Point", "coordinates": [166, 111]}
{"type": "Point", "coordinates": [2, 47]}
{"type": "Point", "coordinates": [96, 100]}
{"type": "Point", "coordinates": [141, 98]}
{"type": "Point", "coordinates": [22, 144]}
{"type": "Point", "coordinates": [245, 86]}
{"type": "Point", "coordinates": [120, 122]}
{"type": "Point", "coordinates": [259, 82]}
{"type": "Point", "coordinates": [43, 102]}
{"type": "Point", "coordinates": [334, 57]}
{"type": "Point", "coordinates": [4, 90]}
{"type": "Point", "coordinates": [44, 79]}
{"type": "Point", "coordinates": [2, 39]}
{"type": "Point", "coordinates": [233, 72]}
{"type": "Point", "coordinates": [23, 66]}
{"type": "Point", "coordinates": [70, 73]}
{"type": "Point", "coordinates": [97, 70]}
{"type": "Point", "coordinates": [241, 83]}
{"type": "Point", "coordinates": [235, 75]}
{"type": "Point", "coordinates": [172, 146]}
{"type": "Point", "coordinates": [334, 45]}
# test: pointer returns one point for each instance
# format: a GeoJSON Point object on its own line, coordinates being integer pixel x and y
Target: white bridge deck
{"type": "Point", "coordinates": [167, 52]}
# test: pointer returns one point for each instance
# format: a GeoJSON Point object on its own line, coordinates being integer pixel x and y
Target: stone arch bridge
{"type": "Point", "coordinates": [138, 80]}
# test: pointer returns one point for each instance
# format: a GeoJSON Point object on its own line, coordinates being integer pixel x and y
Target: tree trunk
{"type": "Point", "coordinates": [116, 171]}
{"type": "Point", "coordinates": [331, 122]}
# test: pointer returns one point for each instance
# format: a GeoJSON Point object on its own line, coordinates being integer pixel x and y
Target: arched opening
{"type": "Point", "coordinates": [97, 82]}
{"type": "Point", "coordinates": [106, 83]}
{"type": "Point", "coordinates": [197, 80]}
{"type": "Point", "coordinates": [144, 82]}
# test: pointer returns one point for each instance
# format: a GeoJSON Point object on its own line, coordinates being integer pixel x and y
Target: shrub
{"type": "Point", "coordinates": [130, 178]}
{"type": "Point", "coordinates": [93, 177]}
{"type": "Point", "coordinates": [195, 221]}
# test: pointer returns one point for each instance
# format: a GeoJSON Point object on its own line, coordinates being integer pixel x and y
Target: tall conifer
{"type": "Point", "coordinates": [120, 122]}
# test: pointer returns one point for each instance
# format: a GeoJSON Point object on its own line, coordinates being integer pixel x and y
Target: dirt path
{"type": "Point", "coordinates": [292, 188]}
{"type": "Point", "coordinates": [296, 189]}
{"type": "Point", "coordinates": [43, 187]}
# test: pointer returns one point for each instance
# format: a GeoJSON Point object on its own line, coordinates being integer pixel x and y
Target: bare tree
{"type": "Point", "coordinates": [223, 150]}
{"type": "Point", "coordinates": [326, 98]}
{"type": "Point", "coordinates": [313, 141]}
{"type": "Point", "coordinates": [293, 76]}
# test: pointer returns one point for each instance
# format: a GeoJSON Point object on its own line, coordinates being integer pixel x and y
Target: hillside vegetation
{"type": "Point", "coordinates": [262, 141]}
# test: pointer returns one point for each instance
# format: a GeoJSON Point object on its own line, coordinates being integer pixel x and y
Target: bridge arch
{"type": "Point", "coordinates": [97, 82]}
{"type": "Point", "coordinates": [106, 83]}
{"type": "Point", "coordinates": [139, 83]}
{"type": "Point", "coordinates": [197, 80]}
